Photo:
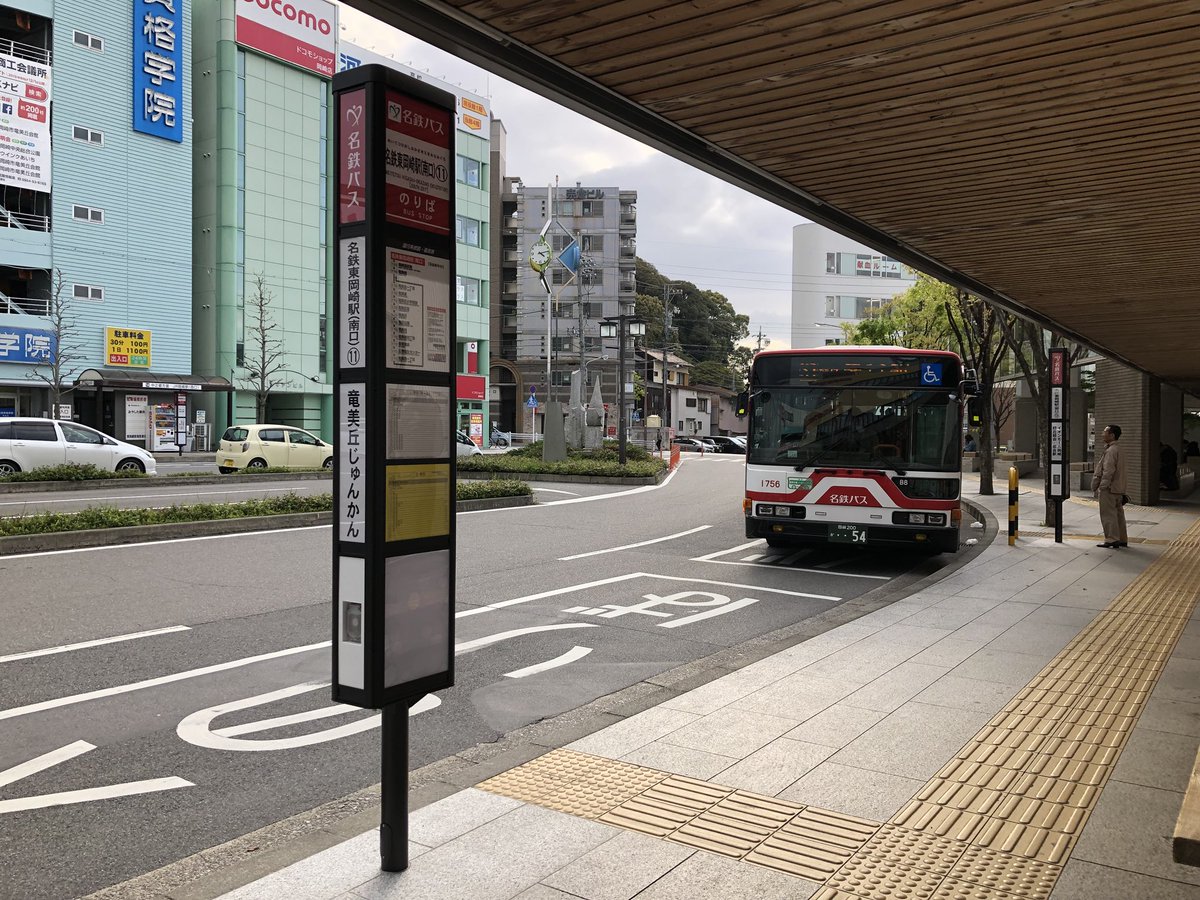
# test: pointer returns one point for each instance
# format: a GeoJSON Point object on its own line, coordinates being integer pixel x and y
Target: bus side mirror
{"type": "Point", "coordinates": [968, 388]}
{"type": "Point", "coordinates": [743, 402]}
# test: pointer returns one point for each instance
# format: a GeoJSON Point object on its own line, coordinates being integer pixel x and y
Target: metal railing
{"type": "Point", "coordinates": [24, 221]}
{"type": "Point", "coordinates": [25, 51]}
{"type": "Point", "coordinates": [24, 306]}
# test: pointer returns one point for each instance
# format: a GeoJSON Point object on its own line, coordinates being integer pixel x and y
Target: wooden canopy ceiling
{"type": "Point", "coordinates": [1043, 154]}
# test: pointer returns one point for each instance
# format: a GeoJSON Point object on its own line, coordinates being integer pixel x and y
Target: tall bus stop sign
{"type": "Point", "coordinates": [393, 540]}
{"type": "Point", "coordinates": [1057, 431]}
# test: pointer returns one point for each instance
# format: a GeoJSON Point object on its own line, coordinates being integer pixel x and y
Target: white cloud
{"type": "Point", "coordinates": [691, 225]}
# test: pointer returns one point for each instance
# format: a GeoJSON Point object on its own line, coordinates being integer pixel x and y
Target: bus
{"type": "Point", "coordinates": [855, 445]}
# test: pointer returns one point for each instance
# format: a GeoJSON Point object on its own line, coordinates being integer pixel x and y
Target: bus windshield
{"type": "Point", "coordinates": [858, 427]}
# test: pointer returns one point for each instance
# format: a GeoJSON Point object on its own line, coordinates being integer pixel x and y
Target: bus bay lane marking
{"type": "Point", "coordinates": [570, 656]}
{"type": "Point", "coordinates": [719, 603]}
{"type": "Point", "coordinates": [197, 728]}
{"type": "Point", "coordinates": [658, 540]}
{"type": "Point", "coordinates": [712, 558]}
{"type": "Point", "coordinates": [64, 798]}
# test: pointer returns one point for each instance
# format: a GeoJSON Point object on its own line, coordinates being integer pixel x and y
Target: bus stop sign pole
{"type": "Point", "coordinates": [1057, 431]}
{"type": "Point", "coordinates": [393, 409]}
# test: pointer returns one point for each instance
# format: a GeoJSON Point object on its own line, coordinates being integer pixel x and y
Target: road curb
{"type": "Point", "coordinates": [632, 480]}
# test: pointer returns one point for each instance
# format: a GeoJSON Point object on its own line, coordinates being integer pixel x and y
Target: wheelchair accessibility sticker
{"type": "Point", "coordinates": [931, 373]}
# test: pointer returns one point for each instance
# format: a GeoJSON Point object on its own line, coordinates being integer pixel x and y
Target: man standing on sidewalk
{"type": "Point", "coordinates": [1108, 486]}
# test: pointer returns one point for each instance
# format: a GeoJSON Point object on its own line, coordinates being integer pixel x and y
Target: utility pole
{"type": "Point", "coordinates": [667, 292]}
{"type": "Point", "coordinates": [761, 340]}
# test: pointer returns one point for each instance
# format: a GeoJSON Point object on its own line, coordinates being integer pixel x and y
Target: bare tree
{"type": "Point", "coordinates": [1004, 401]}
{"type": "Point", "coordinates": [264, 356]}
{"type": "Point", "coordinates": [979, 329]}
{"type": "Point", "coordinates": [66, 352]}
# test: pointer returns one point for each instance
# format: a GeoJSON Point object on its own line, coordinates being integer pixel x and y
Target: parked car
{"type": "Point", "coordinates": [271, 446]}
{"type": "Point", "coordinates": [727, 444]}
{"type": "Point", "coordinates": [465, 446]}
{"type": "Point", "coordinates": [687, 445]}
{"type": "Point", "coordinates": [28, 443]}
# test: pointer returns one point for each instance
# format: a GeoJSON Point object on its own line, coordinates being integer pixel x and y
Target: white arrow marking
{"type": "Point", "coordinates": [468, 646]}
{"type": "Point", "coordinates": [570, 656]}
{"type": "Point", "coordinates": [195, 729]}
{"type": "Point", "coordinates": [61, 755]}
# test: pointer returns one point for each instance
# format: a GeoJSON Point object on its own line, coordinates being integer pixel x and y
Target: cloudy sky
{"type": "Point", "coordinates": [691, 226]}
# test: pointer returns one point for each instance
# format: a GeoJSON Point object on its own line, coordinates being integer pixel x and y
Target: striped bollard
{"type": "Point", "coordinates": [1013, 481]}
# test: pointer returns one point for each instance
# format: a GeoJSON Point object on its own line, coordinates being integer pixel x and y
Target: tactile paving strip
{"type": "Point", "coordinates": [996, 823]}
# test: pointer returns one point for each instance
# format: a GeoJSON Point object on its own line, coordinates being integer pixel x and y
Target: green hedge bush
{"type": "Point", "coordinates": [69, 472]}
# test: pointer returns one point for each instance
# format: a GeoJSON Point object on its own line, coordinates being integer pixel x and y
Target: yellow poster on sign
{"type": "Point", "coordinates": [127, 347]}
{"type": "Point", "coordinates": [418, 501]}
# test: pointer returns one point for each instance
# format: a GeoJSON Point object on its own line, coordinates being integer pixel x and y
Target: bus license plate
{"type": "Point", "coordinates": [848, 534]}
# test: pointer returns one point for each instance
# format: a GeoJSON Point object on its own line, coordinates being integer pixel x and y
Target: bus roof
{"type": "Point", "coordinates": [857, 349]}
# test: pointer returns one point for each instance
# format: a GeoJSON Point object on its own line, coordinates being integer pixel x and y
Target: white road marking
{"type": "Point", "coordinates": [669, 537]}
{"type": "Point", "coordinates": [553, 491]}
{"type": "Point", "coordinates": [776, 562]}
{"type": "Point", "coordinates": [469, 646]}
{"type": "Point", "coordinates": [58, 702]}
{"type": "Point", "coordinates": [570, 656]}
{"type": "Point", "coordinates": [749, 588]}
{"type": "Point", "coordinates": [61, 755]}
{"type": "Point", "coordinates": [45, 761]}
{"type": "Point", "coordinates": [195, 728]}
{"type": "Point", "coordinates": [637, 490]}
{"type": "Point", "coordinates": [206, 537]}
{"type": "Point", "coordinates": [65, 648]}
{"type": "Point", "coordinates": [182, 493]}
{"type": "Point", "coordinates": [708, 614]}
{"type": "Point", "coordinates": [752, 557]}
{"type": "Point", "coordinates": [554, 593]}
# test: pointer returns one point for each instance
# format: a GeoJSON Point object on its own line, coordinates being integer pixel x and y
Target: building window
{"type": "Point", "coordinates": [560, 377]}
{"type": "Point", "coordinates": [89, 41]}
{"type": "Point", "coordinates": [593, 275]}
{"type": "Point", "coordinates": [831, 263]}
{"type": "Point", "coordinates": [844, 307]}
{"type": "Point", "coordinates": [87, 292]}
{"type": "Point", "coordinates": [593, 344]}
{"type": "Point", "coordinates": [468, 290]}
{"type": "Point", "coordinates": [689, 402]}
{"type": "Point", "coordinates": [593, 310]}
{"type": "Point", "coordinates": [702, 404]}
{"type": "Point", "coordinates": [592, 243]}
{"type": "Point", "coordinates": [562, 344]}
{"type": "Point", "coordinates": [467, 231]}
{"type": "Point", "coordinates": [591, 208]}
{"type": "Point", "coordinates": [87, 135]}
{"type": "Point", "coordinates": [468, 171]}
{"type": "Point", "coordinates": [87, 214]}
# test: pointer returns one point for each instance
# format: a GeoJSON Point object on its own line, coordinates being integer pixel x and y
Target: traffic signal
{"type": "Point", "coordinates": [975, 411]}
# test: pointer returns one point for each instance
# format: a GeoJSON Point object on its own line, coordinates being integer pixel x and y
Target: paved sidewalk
{"type": "Point", "coordinates": [1022, 728]}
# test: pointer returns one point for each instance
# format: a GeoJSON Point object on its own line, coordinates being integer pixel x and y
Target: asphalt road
{"type": "Point", "coordinates": [125, 756]}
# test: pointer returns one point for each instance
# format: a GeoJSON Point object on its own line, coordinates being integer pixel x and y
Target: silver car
{"type": "Point", "coordinates": [28, 443]}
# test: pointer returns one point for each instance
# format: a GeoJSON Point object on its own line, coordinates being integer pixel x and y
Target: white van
{"type": "Point", "coordinates": [27, 443]}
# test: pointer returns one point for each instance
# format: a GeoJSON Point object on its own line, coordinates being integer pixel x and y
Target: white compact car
{"type": "Point", "coordinates": [271, 446]}
{"type": "Point", "coordinates": [27, 443]}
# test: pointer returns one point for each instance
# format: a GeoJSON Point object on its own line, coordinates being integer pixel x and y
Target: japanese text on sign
{"type": "Point", "coordinates": [418, 312]}
{"type": "Point", "coordinates": [352, 352]}
{"type": "Point", "coordinates": [24, 123]}
{"type": "Point", "coordinates": [127, 347]}
{"type": "Point", "coordinates": [158, 75]}
{"type": "Point", "coordinates": [417, 164]}
{"type": "Point", "coordinates": [352, 167]}
{"type": "Point", "coordinates": [26, 345]}
{"type": "Point", "coordinates": [352, 468]}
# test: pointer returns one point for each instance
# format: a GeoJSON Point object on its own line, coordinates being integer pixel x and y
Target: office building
{"type": "Point", "coordinates": [96, 211]}
{"type": "Point", "coordinates": [836, 280]}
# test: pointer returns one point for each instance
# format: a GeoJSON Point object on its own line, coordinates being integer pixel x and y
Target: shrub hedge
{"type": "Point", "coordinates": [69, 472]}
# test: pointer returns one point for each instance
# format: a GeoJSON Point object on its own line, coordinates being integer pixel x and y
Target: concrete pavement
{"type": "Point", "coordinates": [1021, 728]}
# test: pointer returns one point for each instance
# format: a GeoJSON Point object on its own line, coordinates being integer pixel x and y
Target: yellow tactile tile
{"type": "Point", "coordinates": [997, 822]}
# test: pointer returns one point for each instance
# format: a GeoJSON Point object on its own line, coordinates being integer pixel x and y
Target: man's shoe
{"type": "Point", "coordinates": [1120, 543]}
{"type": "Point", "coordinates": [1109, 545]}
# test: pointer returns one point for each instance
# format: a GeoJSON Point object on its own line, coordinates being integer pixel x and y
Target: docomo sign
{"type": "Point", "coordinates": [301, 32]}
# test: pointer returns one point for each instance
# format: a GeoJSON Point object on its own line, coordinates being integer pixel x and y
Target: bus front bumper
{"type": "Point", "coordinates": [941, 539]}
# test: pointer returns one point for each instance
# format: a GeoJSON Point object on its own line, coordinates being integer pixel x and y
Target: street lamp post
{"type": "Point", "coordinates": [624, 324]}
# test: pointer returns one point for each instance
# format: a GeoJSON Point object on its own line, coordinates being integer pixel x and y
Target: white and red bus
{"type": "Point", "coordinates": [855, 445]}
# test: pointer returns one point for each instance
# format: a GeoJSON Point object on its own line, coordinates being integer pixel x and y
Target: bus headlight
{"type": "Point", "coordinates": [916, 518]}
{"type": "Point", "coordinates": [766, 510]}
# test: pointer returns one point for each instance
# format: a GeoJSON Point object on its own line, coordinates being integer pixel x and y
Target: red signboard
{"type": "Point", "coordinates": [352, 205]}
{"type": "Point", "coordinates": [471, 387]}
{"type": "Point", "coordinates": [1058, 366]}
{"type": "Point", "coordinates": [300, 32]}
{"type": "Point", "coordinates": [417, 164]}
{"type": "Point", "coordinates": [849, 496]}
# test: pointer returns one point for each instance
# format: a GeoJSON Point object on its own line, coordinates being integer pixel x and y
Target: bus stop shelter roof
{"type": "Point", "coordinates": [139, 380]}
{"type": "Point", "coordinates": [1044, 155]}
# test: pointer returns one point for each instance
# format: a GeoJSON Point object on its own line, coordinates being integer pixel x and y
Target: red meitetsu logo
{"type": "Point", "coordinates": [291, 13]}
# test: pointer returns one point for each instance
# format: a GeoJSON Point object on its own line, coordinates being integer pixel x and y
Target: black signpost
{"type": "Point", "coordinates": [1059, 457]}
{"type": "Point", "coordinates": [394, 338]}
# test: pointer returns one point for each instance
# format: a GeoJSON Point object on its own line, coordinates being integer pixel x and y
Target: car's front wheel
{"type": "Point", "coordinates": [130, 465]}
{"type": "Point", "coordinates": [8, 467]}
{"type": "Point", "coordinates": [328, 464]}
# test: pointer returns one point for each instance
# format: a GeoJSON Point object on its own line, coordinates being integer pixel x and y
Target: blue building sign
{"type": "Point", "coordinates": [31, 346]}
{"type": "Point", "coordinates": [158, 68]}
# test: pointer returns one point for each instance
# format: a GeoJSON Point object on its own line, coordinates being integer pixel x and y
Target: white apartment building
{"type": "Point", "coordinates": [837, 280]}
